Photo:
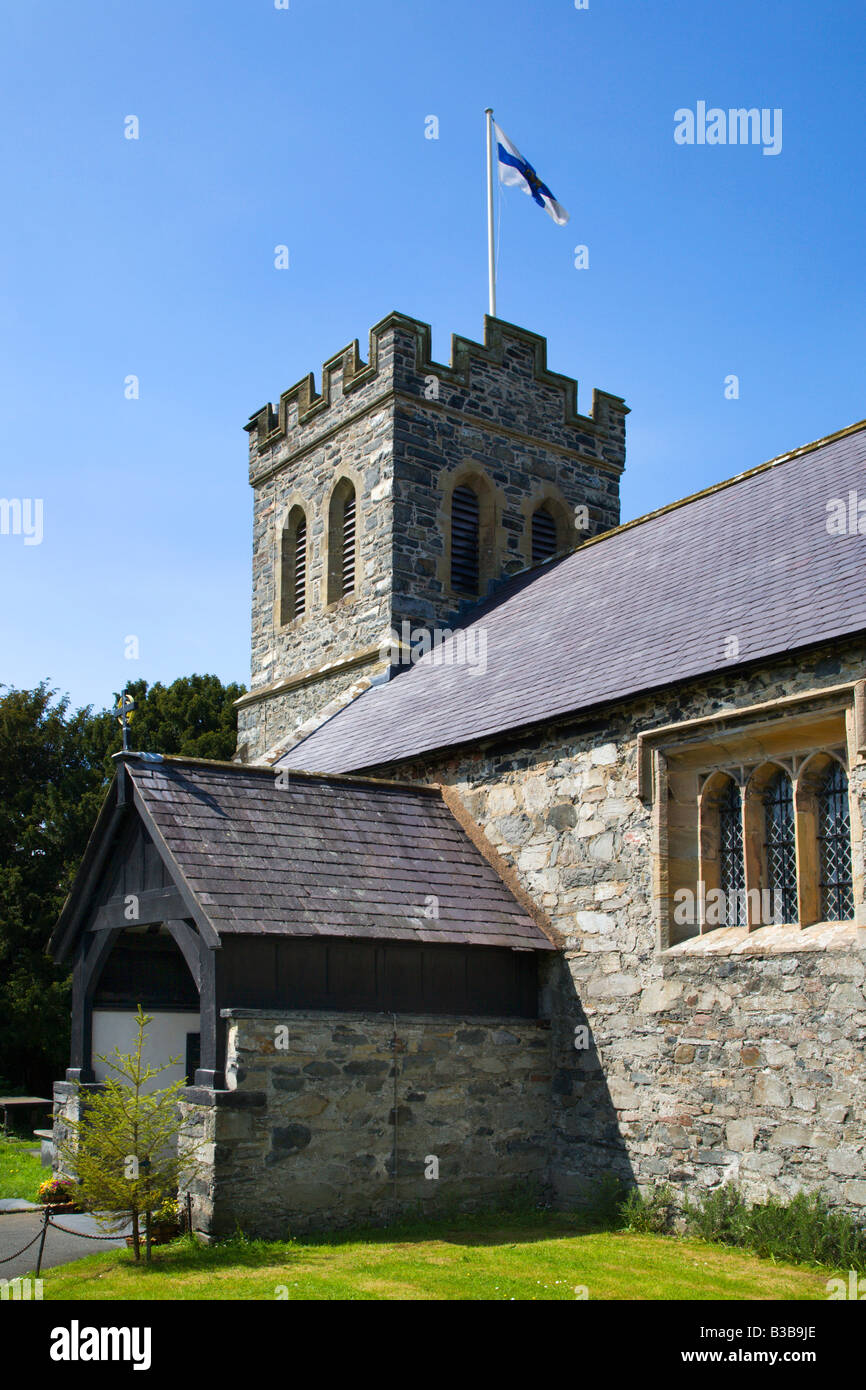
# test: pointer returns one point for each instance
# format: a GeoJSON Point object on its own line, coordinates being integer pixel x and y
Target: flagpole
{"type": "Point", "coordinates": [491, 265]}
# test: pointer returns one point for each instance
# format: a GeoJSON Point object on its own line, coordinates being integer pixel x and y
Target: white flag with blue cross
{"type": "Point", "coordinates": [515, 170]}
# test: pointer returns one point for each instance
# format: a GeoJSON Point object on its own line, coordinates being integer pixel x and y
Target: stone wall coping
{"type": "Point", "coordinates": [226, 1100]}
{"type": "Point", "coordinates": [331, 1016]}
{"type": "Point", "coordinates": [772, 940]}
{"type": "Point", "coordinates": [287, 683]}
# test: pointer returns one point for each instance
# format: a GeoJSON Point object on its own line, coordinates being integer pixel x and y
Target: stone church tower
{"type": "Point", "coordinates": [401, 496]}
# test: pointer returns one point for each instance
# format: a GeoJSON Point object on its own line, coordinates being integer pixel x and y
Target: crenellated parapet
{"type": "Point", "coordinates": [503, 381]}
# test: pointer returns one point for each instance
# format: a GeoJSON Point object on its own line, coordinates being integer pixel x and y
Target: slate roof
{"type": "Point", "coordinates": [326, 857]}
{"type": "Point", "coordinates": [648, 604]}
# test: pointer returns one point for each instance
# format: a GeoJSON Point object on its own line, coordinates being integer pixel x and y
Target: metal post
{"type": "Point", "coordinates": [491, 265]}
{"type": "Point", "coordinates": [46, 1218]}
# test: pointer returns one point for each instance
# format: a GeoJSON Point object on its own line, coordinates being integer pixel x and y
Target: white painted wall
{"type": "Point", "coordinates": [166, 1037]}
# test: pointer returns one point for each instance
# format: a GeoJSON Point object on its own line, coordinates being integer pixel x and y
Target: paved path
{"type": "Point", "coordinates": [17, 1228]}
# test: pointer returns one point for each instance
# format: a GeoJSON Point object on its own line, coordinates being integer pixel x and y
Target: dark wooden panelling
{"type": "Point", "coordinates": [135, 866]}
{"type": "Point", "coordinates": [146, 970]}
{"type": "Point", "coordinates": [305, 973]}
{"type": "Point", "coordinates": [352, 972]}
{"type": "Point", "coordinates": [302, 973]}
{"type": "Point", "coordinates": [403, 975]}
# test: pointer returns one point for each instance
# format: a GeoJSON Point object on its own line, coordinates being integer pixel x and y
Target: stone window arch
{"type": "Point", "coordinates": [343, 541]}
{"type": "Point", "coordinates": [293, 597]}
{"type": "Point", "coordinates": [548, 525]}
{"type": "Point", "coordinates": [823, 812]}
{"type": "Point", "coordinates": [721, 853]}
{"type": "Point", "coordinates": [474, 549]}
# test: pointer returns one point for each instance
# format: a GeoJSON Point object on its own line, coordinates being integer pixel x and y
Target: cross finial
{"type": "Point", "coordinates": [124, 710]}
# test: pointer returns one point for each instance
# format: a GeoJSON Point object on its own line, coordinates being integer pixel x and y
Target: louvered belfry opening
{"type": "Point", "coordinates": [543, 536]}
{"type": "Point", "coordinates": [299, 593]}
{"type": "Point", "coordinates": [293, 555]}
{"type": "Point", "coordinates": [342, 541]}
{"type": "Point", "coordinates": [348, 567]}
{"type": "Point", "coordinates": [465, 533]}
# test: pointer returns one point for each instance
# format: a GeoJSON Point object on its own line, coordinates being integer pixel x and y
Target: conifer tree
{"type": "Point", "coordinates": [128, 1147]}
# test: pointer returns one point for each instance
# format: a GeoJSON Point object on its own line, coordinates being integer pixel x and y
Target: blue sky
{"type": "Point", "coordinates": [306, 127]}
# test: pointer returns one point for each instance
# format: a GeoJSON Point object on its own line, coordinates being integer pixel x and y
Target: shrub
{"type": "Point", "coordinates": [606, 1200]}
{"type": "Point", "coordinates": [650, 1215]}
{"type": "Point", "coordinates": [804, 1230]}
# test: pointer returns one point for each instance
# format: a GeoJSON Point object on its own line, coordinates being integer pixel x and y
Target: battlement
{"type": "Point", "coordinates": [503, 381]}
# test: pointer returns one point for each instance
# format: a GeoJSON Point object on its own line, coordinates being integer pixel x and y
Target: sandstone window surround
{"type": "Point", "coordinates": [795, 766]}
{"type": "Point", "coordinates": [546, 501]}
{"type": "Point", "coordinates": [292, 596]}
{"type": "Point", "coordinates": [455, 571]}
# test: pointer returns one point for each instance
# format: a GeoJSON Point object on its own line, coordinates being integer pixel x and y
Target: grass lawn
{"type": "Point", "coordinates": [536, 1256]}
{"type": "Point", "coordinates": [20, 1174]}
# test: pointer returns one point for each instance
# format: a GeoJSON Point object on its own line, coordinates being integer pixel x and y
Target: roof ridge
{"type": "Point", "coordinates": [389, 784]}
{"type": "Point", "coordinates": [725, 483]}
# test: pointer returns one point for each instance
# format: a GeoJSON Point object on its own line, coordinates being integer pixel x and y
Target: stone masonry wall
{"type": "Point", "coordinates": [402, 426]}
{"type": "Point", "coordinates": [304, 1137]}
{"type": "Point", "coordinates": [703, 1063]}
{"type": "Point", "coordinates": [265, 726]}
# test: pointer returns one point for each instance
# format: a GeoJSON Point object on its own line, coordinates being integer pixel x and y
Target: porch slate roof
{"type": "Point", "coordinates": [654, 602]}
{"type": "Point", "coordinates": [325, 856]}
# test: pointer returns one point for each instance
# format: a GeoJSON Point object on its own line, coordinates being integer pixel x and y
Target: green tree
{"type": "Point", "coordinates": [129, 1148]}
{"type": "Point", "coordinates": [194, 716]}
{"type": "Point", "coordinates": [51, 785]}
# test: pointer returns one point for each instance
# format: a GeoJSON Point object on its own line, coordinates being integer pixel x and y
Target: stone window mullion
{"type": "Point", "coordinates": [808, 867]}
{"type": "Point", "coordinates": [753, 851]}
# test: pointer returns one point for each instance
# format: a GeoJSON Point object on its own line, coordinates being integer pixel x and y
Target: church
{"type": "Point", "coordinates": [541, 859]}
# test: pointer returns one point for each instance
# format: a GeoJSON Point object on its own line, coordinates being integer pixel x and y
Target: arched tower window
{"type": "Point", "coordinates": [780, 847]}
{"type": "Point", "coordinates": [544, 542]}
{"type": "Point", "coordinates": [465, 538]}
{"type": "Point", "coordinates": [834, 844]}
{"type": "Point", "coordinates": [293, 567]}
{"type": "Point", "coordinates": [732, 876]}
{"type": "Point", "coordinates": [342, 541]}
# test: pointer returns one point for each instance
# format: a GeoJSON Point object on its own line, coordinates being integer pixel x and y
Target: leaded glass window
{"type": "Point", "coordinates": [732, 877]}
{"type": "Point", "coordinates": [834, 843]}
{"type": "Point", "coordinates": [780, 848]}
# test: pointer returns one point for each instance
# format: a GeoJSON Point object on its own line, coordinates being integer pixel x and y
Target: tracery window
{"type": "Point", "coordinates": [780, 850]}
{"type": "Point", "coordinates": [834, 842]}
{"type": "Point", "coordinates": [732, 878]}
